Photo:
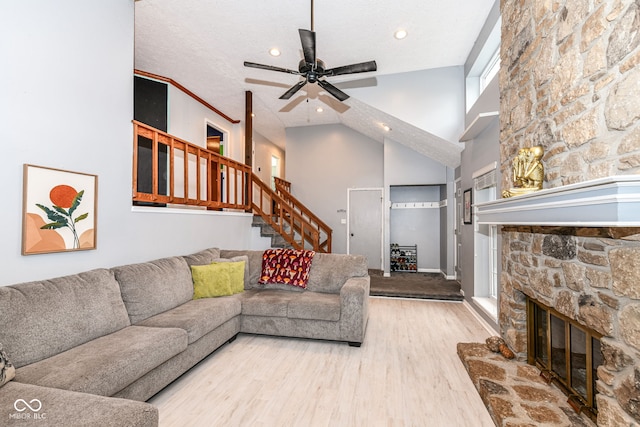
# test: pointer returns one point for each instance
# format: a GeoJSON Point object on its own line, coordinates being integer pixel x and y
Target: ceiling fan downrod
{"type": "Point", "coordinates": [311, 15]}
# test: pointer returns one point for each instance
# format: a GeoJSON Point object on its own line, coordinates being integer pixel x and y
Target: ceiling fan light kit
{"type": "Point", "coordinates": [313, 69]}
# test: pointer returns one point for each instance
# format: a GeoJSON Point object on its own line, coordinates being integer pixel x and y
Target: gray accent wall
{"type": "Point", "coordinates": [403, 166]}
{"type": "Point", "coordinates": [417, 226]}
{"type": "Point", "coordinates": [478, 153]}
{"type": "Point", "coordinates": [323, 162]}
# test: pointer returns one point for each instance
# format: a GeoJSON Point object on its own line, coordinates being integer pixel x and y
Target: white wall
{"type": "Point", "coordinates": [188, 120]}
{"type": "Point", "coordinates": [263, 151]}
{"type": "Point", "coordinates": [68, 104]}
{"type": "Point", "coordinates": [433, 100]}
{"type": "Point", "coordinates": [323, 162]}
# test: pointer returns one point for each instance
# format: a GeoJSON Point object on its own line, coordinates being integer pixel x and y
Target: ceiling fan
{"type": "Point", "coordinates": [313, 69]}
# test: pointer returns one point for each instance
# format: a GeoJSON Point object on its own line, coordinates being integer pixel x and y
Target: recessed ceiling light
{"type": "Point", "coordinates": [253, 114]}
{"type": "Point", "coordinates": [386, 128]}
{"type": "Point", "coordinates": [400, 34]}
{"type": "Point", "coordinates": [274, 51]}
{"type": "Point", "coordinates": [319, 109]}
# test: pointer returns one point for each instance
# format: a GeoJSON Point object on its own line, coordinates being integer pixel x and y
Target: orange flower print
{"type": "Point", "coordinates": [65, 202]}
{"type": "Point", "coordinates": [63, 195]}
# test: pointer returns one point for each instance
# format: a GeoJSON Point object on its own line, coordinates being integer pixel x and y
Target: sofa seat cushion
{"type": "Point", "coordinates": [43, 318]}
{"type": "Point", "coordinates": [314, 306]}
{"type": "Point", "coordinates": [107, 364]}
{"type": "Point", "coordinates": [268, 302]}
{"type": "Point", "coordinates": [197, 317]}
{"type": "Point", "coordinates": [72, 409]}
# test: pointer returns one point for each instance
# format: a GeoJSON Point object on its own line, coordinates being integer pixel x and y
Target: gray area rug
{"type": "Point", "coordinates": [414, 285]}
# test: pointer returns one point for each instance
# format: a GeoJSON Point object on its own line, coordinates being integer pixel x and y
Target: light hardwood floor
{"type": "Point", "coordinates": [406, 373]}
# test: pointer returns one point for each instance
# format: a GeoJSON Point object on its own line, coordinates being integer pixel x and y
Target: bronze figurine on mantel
{"type": "Point", "coordinates": [527, 170]}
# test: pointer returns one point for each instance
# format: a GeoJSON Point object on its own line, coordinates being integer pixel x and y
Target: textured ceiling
{"type": "Point", "coordinates": [202, 45]}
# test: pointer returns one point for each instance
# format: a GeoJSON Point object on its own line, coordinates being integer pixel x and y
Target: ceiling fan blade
{"type": "Point", "coordinates": [270, 68]}
{"type": "Point", "coordinates": [362, 67]}
{"type": "Point", "coordinates": [288, 94]}
{"type": "Point", "coordinates": [308, 39]}
{"type": "Point", "coordinates": [333, 90]}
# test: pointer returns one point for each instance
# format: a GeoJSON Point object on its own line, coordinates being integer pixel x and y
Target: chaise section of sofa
{"type": "Point", "coordinates": [159, 295]}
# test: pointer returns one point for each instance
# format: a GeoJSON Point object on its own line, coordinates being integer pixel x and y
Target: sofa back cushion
{"type": "Point", "coordinates": [153, 287]}
{"type": "Point", "coordinates": [203, 257]}
{"type": "Point", "coordinates": [253, 267]}
{"type": "Point", "coordinates": [327, 274]}
{"type": "Point", "coordinates": [43, 318]}
{"type": "Point", "coordinates": [329, 271]}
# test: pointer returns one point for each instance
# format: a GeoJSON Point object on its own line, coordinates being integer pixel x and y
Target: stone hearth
{"type": "Point", "coordinates": [514, 392]}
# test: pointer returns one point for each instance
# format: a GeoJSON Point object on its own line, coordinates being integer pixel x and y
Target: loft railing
{"type": "Point", "coordinates": [168, 170]}
{"type": "Point", "coordinates": [283, 188]}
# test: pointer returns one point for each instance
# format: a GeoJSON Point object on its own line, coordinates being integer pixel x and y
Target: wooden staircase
{"type": "Point", "coordinates": [289, 218]}
{"type": "Point", "coordinates": [277, 241]}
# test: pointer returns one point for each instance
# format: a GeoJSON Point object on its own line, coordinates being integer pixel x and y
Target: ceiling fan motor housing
{"type": "Point", "coordinates": [312, 73]}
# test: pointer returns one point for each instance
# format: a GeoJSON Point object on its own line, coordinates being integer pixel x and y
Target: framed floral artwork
{"type": "Point", "coordinates": [59, 210]}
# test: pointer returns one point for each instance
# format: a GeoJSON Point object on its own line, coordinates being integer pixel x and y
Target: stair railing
{"type": "Point", "coordinates": [284, 219]}
{"type": "Point", "coordinates": [283, 189]}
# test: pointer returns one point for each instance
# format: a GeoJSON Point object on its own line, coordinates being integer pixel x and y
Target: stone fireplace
{"type": "Point", "coordinates": [587, 278]}
{"type": "Point", "coordinates": [569, 81]}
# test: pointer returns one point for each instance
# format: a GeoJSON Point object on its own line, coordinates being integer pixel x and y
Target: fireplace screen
{"type": "Point", "coordinates": [566, 352]}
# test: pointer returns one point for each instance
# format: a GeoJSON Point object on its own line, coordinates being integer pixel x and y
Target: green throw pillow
{"type": "Point", "coordinates": [236, 275]}
{"type": "Point", "coordinates": [210, 280]}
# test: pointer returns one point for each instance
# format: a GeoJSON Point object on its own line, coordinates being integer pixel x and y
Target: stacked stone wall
{"type": "Point", "coordinates": [569, 81]}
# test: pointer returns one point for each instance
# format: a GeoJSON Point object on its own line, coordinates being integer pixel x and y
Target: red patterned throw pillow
{"type": "Point", "coordinates": [288, 266]}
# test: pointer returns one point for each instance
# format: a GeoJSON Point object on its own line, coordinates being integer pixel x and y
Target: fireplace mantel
{"type": "Point", "coordinates": [604, 202]}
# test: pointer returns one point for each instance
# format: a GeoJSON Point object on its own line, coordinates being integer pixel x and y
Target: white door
{"type": "Point", "coordinates": [364, 227]}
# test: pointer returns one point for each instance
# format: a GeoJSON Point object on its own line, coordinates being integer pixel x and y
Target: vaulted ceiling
{"type": "Point", "coordinates": [202, 44]}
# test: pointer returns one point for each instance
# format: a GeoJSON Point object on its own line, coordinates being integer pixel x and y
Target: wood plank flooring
{"type": "Point", "coordinates": [406, 373]}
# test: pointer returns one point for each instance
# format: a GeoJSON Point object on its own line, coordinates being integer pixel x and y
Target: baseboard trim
{"type": "Point", "coordinates": [480, 319]}
{"type": "Point", "coordinates": [429, 270]}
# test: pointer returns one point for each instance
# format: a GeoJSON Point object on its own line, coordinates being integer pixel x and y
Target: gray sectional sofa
{"type": "Point", "coordinates": [91, 348]}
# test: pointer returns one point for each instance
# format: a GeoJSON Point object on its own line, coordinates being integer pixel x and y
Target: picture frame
{"type": "Point", "coordinates": [466, 206]}
{"type": "Point", "coordinates": [59, 211]}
